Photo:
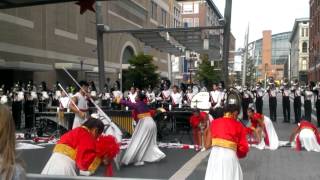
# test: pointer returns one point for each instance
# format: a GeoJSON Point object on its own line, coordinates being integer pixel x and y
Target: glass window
{"type": "Point", "coordinates": [187, 8]}
{"type": "Point", "coordinates": [196, 22]}
{"type": "Point", "coordinates": [302, 32]}
{"type": "Point", "coordinates": [196, 8]}
{"type": "Point", "coordinates": [304, 47]}
{"type": "Point", "coordinates": [307, 32]}
{"type": "Point", "coordinates": [304, 64]}
{"type": "Point", "coordinates": [154, 10]}
{"type": "Point", "coordinates": [163, 17]}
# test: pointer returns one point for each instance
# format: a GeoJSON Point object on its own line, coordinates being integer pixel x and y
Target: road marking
{"type": "Point", "coordinates": [190, 166]}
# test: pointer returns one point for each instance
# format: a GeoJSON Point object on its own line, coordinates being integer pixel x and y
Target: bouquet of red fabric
{"type": "Point", "coordinates": [107, 146]}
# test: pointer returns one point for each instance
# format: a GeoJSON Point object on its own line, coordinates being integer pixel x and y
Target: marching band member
{"type": "Point", "coordinates": [132, 95]}
{"type": "Point", "coordinates": [116, 95]}
{"type": "Point", "coordinates": [151, 97]}
{"type": "Point", "coordinates": [29, 109]}
{"type": "Point", "coordinates": [247, 98]}
{"type": "Point", "coordinates": [3, 96]}
{"type": "Point", "coordinates": [189, 95]}
{"type": "Point", "coordinates": [272, 91]}
{"type": "Point", "coordinates": [259, 93]}
{"type": "Point", "coordinates": [165, 94]}
{"type": "Point", "coordinates": [285, 89]}
{"type": "Point", "coordinates": [222, 96]}
{"type": "Point", "coordinates": [305, 135]}
{"type": "Point", "coordinates": [215, 96]}
{"type": "Point", "coordinates": [43, 97]}
{"type": "Point", "coordinates": [308, 95]}
{"type": "Point", "coordinates": [105, 97]}
{"type": "Point", "coordinates": [56, 96]}
{"type": "Point", "coordinates": [80, 148]}
{"type": "Point", "coordinates": [296, 91]}
{"type": "Point", "coordinates": [263, 129]}
{"type": "Point", "coordinates": [143, 146]}
{"type": "Point", "coordinates": [316, 91]}
{"type": "Point", "coordinates": [228, 140]}
{"type": "Point", "coordinates": [176, 97]}
{"type": "Point", "coordinates": [18, 97]}
{"type": "Point", "coordinates": [80, 100]}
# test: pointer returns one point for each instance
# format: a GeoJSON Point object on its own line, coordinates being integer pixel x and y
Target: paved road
{"type": "Point", "coordinates": [282, 164]}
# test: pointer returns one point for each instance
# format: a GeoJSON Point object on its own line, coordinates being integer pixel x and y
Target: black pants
{"type": "Point", "coordinates": [259, 104]}
{"type": "Point", "coordinates": [273, 108]}
{"type": "Point", "coordinates": [297, 109]}
{"type": "Point", "coordinates": [29, 114]}
{"type": "Point", "coordinates": [318, 111]}
{"type": "Point", "coordinates": [16, 113]}
{"type": "Point", "coordinates": [307, 110]}
{"type": "Point", "coordinates": [286, 108]}
{"type": "Point", "coordinates": [245, 105]}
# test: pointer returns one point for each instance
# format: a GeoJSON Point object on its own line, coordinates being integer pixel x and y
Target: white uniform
{"type": "Point", "coordinates": [83, 106]}
{"type": "Point", "coordinates": [215, 98]}
{"type": "Point", "coordinates": [132, 97]}
{"type": "Point", "coordinates": [176, 98]}
{"type": "Point", "coordinates": [151, 96]}
{"type": "Point", "coordinates": [166, 94]}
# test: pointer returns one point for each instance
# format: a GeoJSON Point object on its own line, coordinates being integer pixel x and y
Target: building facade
{"type": "Point", "coordinates": [299, 52]}
{"type": "Point", "coordinates": [271, 55]}
{"type": "Point", "coordinates": [314, 41]}
{"type": "Point", "coordinates": [36, 42]}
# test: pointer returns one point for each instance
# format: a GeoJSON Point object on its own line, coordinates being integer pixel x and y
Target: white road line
{"type": "Point", "coordinates": [190, 166]}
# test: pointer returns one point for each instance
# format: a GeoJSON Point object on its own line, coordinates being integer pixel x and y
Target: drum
{"type": "Point", "coordinates": [201, 101]}
{"type": "Point", "coordinates": [233, 97]}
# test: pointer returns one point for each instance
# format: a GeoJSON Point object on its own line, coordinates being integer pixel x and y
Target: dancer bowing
{"type": "Point", "coordinates": [82, 148]}
{"type": "Point", "coordinates": [143, 146]}
{"type": "Point", "coordinates": [306, 135]}
{"type": "Point", "coordinates": [262, 128]}
{"type": "Point", "coordinates": [227, 136]}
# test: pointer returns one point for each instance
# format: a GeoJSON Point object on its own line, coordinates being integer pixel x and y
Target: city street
{"type": "Point", "coordinates": [284, 163]}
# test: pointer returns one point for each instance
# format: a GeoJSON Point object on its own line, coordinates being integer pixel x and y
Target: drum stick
{"type": "Point", "coordinates": [90, 99]}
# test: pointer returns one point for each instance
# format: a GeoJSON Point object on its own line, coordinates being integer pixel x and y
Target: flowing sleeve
{"type": "Point", "coordinates": [87, 159]}
{"type": "Point", "coordinates": [243, 147]}
{"type": "Point", "coordinates": [129, 104]}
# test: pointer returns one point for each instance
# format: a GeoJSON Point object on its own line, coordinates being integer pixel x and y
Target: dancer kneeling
{"type": "Point", "coordinates": [84, 149]}
{"type": "Point", "coordinates": [306, 135]}
{"type": "Point", "coordinates": [227, 136]}
{"type": "Point", "coordinates": [143, 146]}
{"type": "Point", "coordinates": [263, 130]}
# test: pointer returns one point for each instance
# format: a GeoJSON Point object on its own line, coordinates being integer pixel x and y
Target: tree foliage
{"type": "Point", "coordinates": [141, 72]}
{"type": "Point", "coordinates": [206, 74]}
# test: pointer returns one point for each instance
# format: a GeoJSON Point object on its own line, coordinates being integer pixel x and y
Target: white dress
{"type": "Point", "coordinates": [60, 164]}
{"type": "Point", "coordinates": [272, 135]}
{"type": "Point", "coordinates": [143, 146]}
{"type": "Point", "coordinates": [223, 165]}
{"type": "Point", "coordinates": [308, 140]}
{"type": "Point", "coordinates": [83, 106]}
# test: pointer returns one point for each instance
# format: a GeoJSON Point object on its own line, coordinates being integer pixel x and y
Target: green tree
{"type": "Point", "coordinates": [141, 72]}
{"type": "Point", "coordinates": [206, 73]}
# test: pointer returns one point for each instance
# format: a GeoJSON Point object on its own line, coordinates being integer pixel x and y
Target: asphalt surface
{"type": "Point", "coordinates": [282, 164]}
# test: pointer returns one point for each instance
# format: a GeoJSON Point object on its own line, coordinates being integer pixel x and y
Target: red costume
{"type": "Point", "coordinates": [194, 122]}
{"type": "Point", "coordinates": [227, 132]}
{"type": "Point", "coordinates": [257, 121]}
{"type": "Point", "coordinates": [306, 125]}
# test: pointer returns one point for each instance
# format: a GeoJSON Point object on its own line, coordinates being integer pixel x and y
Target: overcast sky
{"type": "Point", "coordinates": [275, 15]}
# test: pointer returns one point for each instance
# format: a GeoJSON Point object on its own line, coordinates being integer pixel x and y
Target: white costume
{"type": "Point", "coordinates": [176, 98]}
{"type": "Point", "coordinates": [272, 135]}
{"type": "Point", "coordinates": [83, 106]}
{"type": "Point", "coordinates": [60, 164]}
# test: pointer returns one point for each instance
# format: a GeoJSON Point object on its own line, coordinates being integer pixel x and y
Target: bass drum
{"type": "Point", "coordinates": [233, 97]}
{"type": "Point", "coordinates": [201, 101]}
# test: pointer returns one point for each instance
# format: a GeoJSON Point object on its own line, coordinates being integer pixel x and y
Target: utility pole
{"type": "Point", "coordinates": [100, 47]}
{"type": "Point", "coordinates": [226, 41]}
{"type": "Point", "coordinates": [245, 58]}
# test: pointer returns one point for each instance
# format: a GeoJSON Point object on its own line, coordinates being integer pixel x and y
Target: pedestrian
{"type": "Point", "coordinates": [272, 91]}
{"type": "Point", "coordinates": [80, 100]}
{"type": "Point", "coordinates": [227, 137]}
{"type": "Point", "coordinates": [143, 146]}
{"type": "Point", "coordinates": [10, 168]}
{"type": "Point", "coordinates": [296, 90]}
{"type": "Point", "coordinates": [285, 89]}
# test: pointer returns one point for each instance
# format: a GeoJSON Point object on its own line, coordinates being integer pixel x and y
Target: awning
{"type": "Point", "coordinates": [28, 66]}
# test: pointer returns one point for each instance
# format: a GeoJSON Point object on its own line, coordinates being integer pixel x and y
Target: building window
{"type": "Point", "coordinates": [196, 22]}
{"type": "Point", "coordinates": [307, 32]}
{"type": "Point", "coordinates": [302, 32]}
{"type": "Point", "coordinates": [196, 8]}
{"type": "Point", "coordinates": [163, 17]}
{"type": "Point", "coordinates": [154, 10]}
{"type": "Point", "coordinates": [304, 47]}
{"type": "Point", "coordinates": [187, 8]}
{"type": "Point", "coordinates": [304, 64]}
{"type": "Point", "coordinates": [188, 22]}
